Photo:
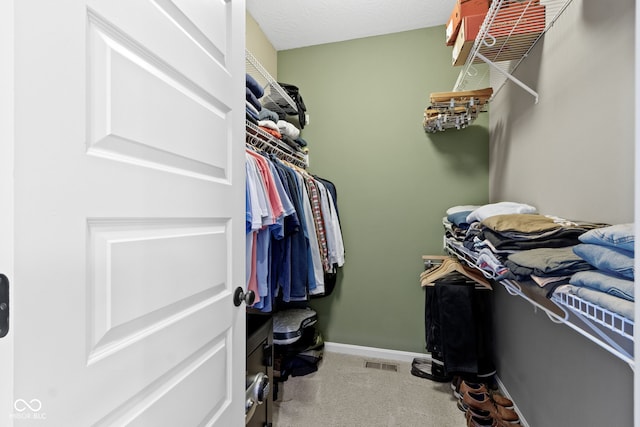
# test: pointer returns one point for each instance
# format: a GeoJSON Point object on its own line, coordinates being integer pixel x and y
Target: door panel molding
{"type": "Point", "coordinates": [143, 111]}
{"type": "Point", "coordinates": [122, 262]}
{"type": "Point", "coordinates": [202, 366]}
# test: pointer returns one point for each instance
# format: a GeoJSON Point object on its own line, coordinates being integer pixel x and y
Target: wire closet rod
{"type": "Point", "coordinates": [257, 138]}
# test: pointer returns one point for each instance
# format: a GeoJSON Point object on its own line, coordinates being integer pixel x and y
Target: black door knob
{"type": "Point", "coordinates": [240, 296]}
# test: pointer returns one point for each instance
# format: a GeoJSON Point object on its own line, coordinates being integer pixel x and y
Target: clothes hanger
{"type": "Point", "coordinates": [448, 265]}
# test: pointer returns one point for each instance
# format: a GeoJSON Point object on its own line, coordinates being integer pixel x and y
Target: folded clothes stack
{"type": "Point", "coordinates": [268, 120]}
{"type": "Point", "coordinates": [513, 241]}
{"type": "Point", "coordinates": [610, 281]}
{"type": "Point", "coordinates": [253, 94]}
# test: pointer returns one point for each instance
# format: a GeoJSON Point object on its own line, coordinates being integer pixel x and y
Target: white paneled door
{"type": "Point", "coordinates": [122, 212]}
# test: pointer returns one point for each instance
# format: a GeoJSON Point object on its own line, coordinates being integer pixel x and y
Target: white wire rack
{"type": "Point", "coordinates": [467, 256]}
{"type": "Point", "coordinates": [263, 141]}
{"type": "Point", "coordinates": [280, 102]}
{"type": "Point", "coordinates": [275, 97]}
{"type": "Point", "coordinates": [510, 30]}
{"type": "Point", "coordinates": [606, 318]}
{"type": "Point", "coordinates": [599, 323]}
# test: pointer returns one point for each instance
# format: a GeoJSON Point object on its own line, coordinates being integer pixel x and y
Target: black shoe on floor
{"type": "Point", "coordinates": [424, 368]}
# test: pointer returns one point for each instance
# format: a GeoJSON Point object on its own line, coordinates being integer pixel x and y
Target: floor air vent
{"type": "Point", "coordinates": [381, 365]}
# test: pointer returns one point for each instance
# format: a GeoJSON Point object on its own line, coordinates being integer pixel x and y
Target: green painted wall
{"type": "Point", "coordinates": [366, 100]}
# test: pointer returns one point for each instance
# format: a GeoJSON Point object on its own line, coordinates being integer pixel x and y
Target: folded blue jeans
{"type": "Point", "coordinates": [603, 282]}
{"type": "Point", "coordinates": [609, 259]}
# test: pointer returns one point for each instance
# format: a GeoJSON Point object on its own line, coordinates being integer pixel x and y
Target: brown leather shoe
{"type": "Point", "coordinates": [479, 422]}
{"type": "Point", "coordinates": [482, 402]}
{"type": "Point", "coordinates": [498, 423]}
{"type": "Point", "coordinates": [474, 387]}
{"type": "Point", "coordinates": [501, 400]}
{"type": "Point", "coordinates": [498, 398]}
{"type": "Point", "coordinates": [473, 421]}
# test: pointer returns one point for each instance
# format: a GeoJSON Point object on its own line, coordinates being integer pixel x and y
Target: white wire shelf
{"type": "Point", "coordinates": [264, 141]}
{"type": "Point", "coordinates": [510, 30]}
{"type": "Point", "coordinates": [606, 318]}
{"type": "Point", "coordinates": [605, 328]}
{"type": "Point", "coordinates": [278, 101]}
{"type": "Point", "coordinates": [469, 257]}
{"type": "Point", "coordinates": [275, 97]}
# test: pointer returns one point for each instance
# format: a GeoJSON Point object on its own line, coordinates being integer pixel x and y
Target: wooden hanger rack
{"type": "Point", "coordinates": [438, 266]}
{"type": "Point", "coordinates": [457, 110]}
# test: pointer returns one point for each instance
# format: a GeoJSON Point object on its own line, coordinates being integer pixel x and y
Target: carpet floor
{"type": "Point", "coordinates": [345, 393]}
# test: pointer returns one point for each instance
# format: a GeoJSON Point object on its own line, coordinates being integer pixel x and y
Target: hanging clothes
{"type": "Point", "coordinates": [293, 231]}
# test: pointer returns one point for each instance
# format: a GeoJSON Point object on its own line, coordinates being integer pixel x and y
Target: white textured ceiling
{"type": "Point", "coordinates": [289, 24]}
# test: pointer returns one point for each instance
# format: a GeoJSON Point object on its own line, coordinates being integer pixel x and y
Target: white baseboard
{"type": "Point", "coordinates": [373, 352]}
{"type": "Point", "coordinates": [504, 391]}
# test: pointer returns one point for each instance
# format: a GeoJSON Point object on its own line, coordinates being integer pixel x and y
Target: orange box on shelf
{"type": "Point", "coordinates": [515, 28]}
{"type": "Point", "coordinates": [461, 9]}
{"type": "Point", "coordinates": [466, 36]}
{"type": "Point", "coordinates": [518, 19]}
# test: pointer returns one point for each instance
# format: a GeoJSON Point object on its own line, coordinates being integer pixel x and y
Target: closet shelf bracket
{"type": "Point", "coordinates": [508, 76]}
{"type": "Point", "coordinates": [603, 340]}
{"type": "Point", "coordinates": [616, 323]}
{"type": "Point", "coordinates": [507, 35]}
